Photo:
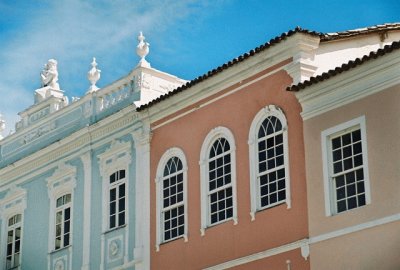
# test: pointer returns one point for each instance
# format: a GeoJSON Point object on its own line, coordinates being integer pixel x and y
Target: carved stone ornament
{"type": "Point", "coordinates": [113, 248]}
{"type": "Point", "coordinates": [59, 265]}
{"type": "Point", "coordinates": [142, 49]}
{"type": "Point", "coordinates": [93, 76]}
{"type": "Point", "coordinates": [49, 75]}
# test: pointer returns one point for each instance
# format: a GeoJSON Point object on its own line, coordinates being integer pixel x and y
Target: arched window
{"type": "Point", "coordinates": [218, 178]}
{"type": "Point", "coordinates": [13, 251]}
{"type": "Point", "coordinates": [269, 159]}
{"type": "Point", "coordinates": [63, 222]}
{"type": "Point", "coordinates": [171, 196]}
{"type": "Point", "coordinates": [117, 199]}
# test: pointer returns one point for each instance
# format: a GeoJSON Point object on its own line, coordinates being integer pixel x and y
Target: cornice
{"type": "Point", "coordinates": [350, 86]}
{"type": "Point", "coordinates": [90, 136]}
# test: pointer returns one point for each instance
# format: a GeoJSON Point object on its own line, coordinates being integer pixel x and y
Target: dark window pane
{"type": "Point", "coordinates": [281, 173]}
{"type": "Point", "coordinates": [270, 142]}
{"type": "Point", "coordinates": [337, 155]}
{"type": "Point", "coordinates": [341, 206]}
{"type": "Point", "coordinates": [360, 174]}
{"type": "Point", "coordinates": [340, 193]}
{"type": "Point", "coordinates": [113, 194]}
{"type": "Point", "coordinates": [358, 160]}
{"type": "Point", "coordinates": [261, 145]}
{"type": "Point", "coordinates": [279, 139]}
{"type": "Point", "coordinates": [112, 178]}
{"type": "Point", "coordinates": [350, 177]}
{"type": "Point", "coordinates": [112, 221]}
{"type": "Point", "coordinates": [121, 218]}
{"type": "Point", "coordinates": [357, 149]}
{"type": "Point", "coordinates": [221, 215]}
{"type": "Point", "coordinates": [351, 190]}
{"type": "Point", "coordinates": [347, 151]}
{"type": "Point", "coordinates": [340, 181]}
{"type": "Point", "coordinates": [122, 190]}
{"type": "Point", "coordinates": [262, 167]}
{"type": "Point", "coordinates": [279, 161]}
{"type": "Point", "coordinates": [273, 198]}
{"type": "Point", "coordinates": [121, 174]}
{"type": "Point", "coordinates": [360, 187]}
{"type": "Point", "coordinates": [279, 150]}
{"type": "Point", "coordinates": [67, 213]}
{"type": "Point", "coordinates": [281, 195]}
{"type": "Point", "coordinates": [281, 184]}
{"type": "Point", "coordinates": [214, 218]}
{"type": "Point", "coordinates": [361, 200]}
{"type": "Point", "coordinates": [352, 202]}
{"type": "Point", "coordinates": [346, 139]}
{"type": "Point", "coordinates": [113, 208]}
{"type": "Point", "coordinates": [66, 239]}
{"type": "Point", "coordinates": [356, 135]}
{"type": "Point", "coordinates": [348, 164]}
{"type": "Point", "coordinates": [336, 143]}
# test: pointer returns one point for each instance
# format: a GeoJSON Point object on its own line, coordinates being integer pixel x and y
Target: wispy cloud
{"type": "Point", "coordinates": [72, 32]}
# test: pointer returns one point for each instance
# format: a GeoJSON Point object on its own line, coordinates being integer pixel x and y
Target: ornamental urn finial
{"type": "Point", "coordinates": [2, 126]}
{"type": "Point", "coordinates": [142, 49]}
{"type": "Point", "coordinates": [93, 76]}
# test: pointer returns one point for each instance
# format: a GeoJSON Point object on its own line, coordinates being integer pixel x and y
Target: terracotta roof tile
{"type": "Point", "coordinates": [347, 66]}
{"type": "Point", "coordinates": [323, 36]}
{"type": "Point", "coordinates": [229, 64]}
{"type": "Point", "coordinates": [381, 28]}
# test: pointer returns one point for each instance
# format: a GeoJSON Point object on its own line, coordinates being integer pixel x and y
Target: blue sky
{"type": "Point", "coordinates": [187, 38]}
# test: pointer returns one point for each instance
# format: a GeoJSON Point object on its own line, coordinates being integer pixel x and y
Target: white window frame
{"type": "Point", "coordinates": [13, 228]}
{"type": "Point", "coordinates": [62, 209]}
{"type": "Point", "coordinates": [172, 152]}
{"type": "Point", "coordinates": [270, 110]}
{"type": "Point", "coordinates": [12, 204]}
{"type": "Point", "coordinates": [116, 158]}
{"type": "Point", "coordinates": [212, 136]}
{"type": "Point", "coordinates": [62, 182]}
{"type": "Point", "coordinates": [326, 135]}
{"type": "Point", "coordinates": [116, 185]}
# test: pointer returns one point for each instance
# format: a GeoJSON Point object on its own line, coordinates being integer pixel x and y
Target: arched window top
{"type": "Point", "coordinates": [219, 140]}
{"type": "Point", "coordinates": [220, 146]}
{"type": "Point", "coordinates": [118, 175]}
{"type": "Point", "coordinates": [172, 161]}
{"type": "Point", "coordinates": [15, 219]}
{"type": "Point", "coordinates": [269, 126]}
{"type": "Point", "coordinates": [173, 165]}
{"type": "Point", "coordinates": [63, 200]}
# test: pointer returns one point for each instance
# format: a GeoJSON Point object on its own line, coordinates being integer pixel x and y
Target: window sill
{"type": "Point", "coordinates": [203, 230]}
{"type": "Point", "coordinates": [60, 249]}
{"type": "Point", "coordinates": [114, 229]}
{"type": "Point", "coordinates": [253, 214]}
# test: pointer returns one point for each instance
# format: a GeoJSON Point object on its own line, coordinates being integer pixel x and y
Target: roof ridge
{"type": "Point", "coordinates": [359, 31]}
{"type": "Point", "coordinates": [346, 66]}
{"type": "Point", "coordinates": [231, 63]}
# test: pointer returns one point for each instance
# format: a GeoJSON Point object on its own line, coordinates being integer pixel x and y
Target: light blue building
{"type": "Point", "coordinates": [74, 177]}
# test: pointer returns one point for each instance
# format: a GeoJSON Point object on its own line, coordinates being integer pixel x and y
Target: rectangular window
{"type": "Point", "coordinates": [13, 253]}
{"type": "Point", "coordinates": [117, 199]}
{"type": "Point", "coordinates": [346, 166]}
{"type": "Point", "coordinates": [63, 222]}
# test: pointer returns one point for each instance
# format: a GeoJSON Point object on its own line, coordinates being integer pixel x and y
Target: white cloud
{"type": "Point", "coordinates": [72, 32]}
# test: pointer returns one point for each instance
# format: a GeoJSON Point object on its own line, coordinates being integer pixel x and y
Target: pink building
{"type": "Point", "coordinates": [238, 178]}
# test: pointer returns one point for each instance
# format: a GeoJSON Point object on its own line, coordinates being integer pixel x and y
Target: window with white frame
{"type": "Point", "coordinates": [345, 166]}
{"type": "Point", "coordinates": [63, 222]}
{"type": "Point", "coordinates": [61, 187]}
{"type": "Point", "coordinates": [14, 233]}
{"type": "Point", "coordinates": [173, 210]}
{"type": "Point", "coordinates": [218, 178]}
{"type": "Point", "coordinates": [171, 196]}
{"type": "Point", "coordinates": [269, 169]}
{"type": "Point", "coordinates": [117, 190]}
{"type": "Point", "coordinates": [12, 208]}
{"type": "Point", "coordinates": [220, 195]}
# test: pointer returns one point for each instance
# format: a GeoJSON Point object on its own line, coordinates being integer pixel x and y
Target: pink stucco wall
{"type": "Point", "coordinates": [272, 227]}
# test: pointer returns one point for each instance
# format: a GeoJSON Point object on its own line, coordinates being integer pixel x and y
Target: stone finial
{"type": "Point", "coordinates": [93, 76]}
{"type": "Point", "coordinates": [49, 75]}
{"type": "Point", "coordinates": [142, 49]}
{"type": "Point", "coordinates": [2, 126]}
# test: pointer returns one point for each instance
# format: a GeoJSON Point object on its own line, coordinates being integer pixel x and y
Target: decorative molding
{"type": "Point", "coordinates": [350, 86]}
{"type": "Point", "coordinates": [260, 255]}
{"type": "Point", "coordinates": [87, 187]}
{"type": "Point", "coordinates": [78, 140]}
